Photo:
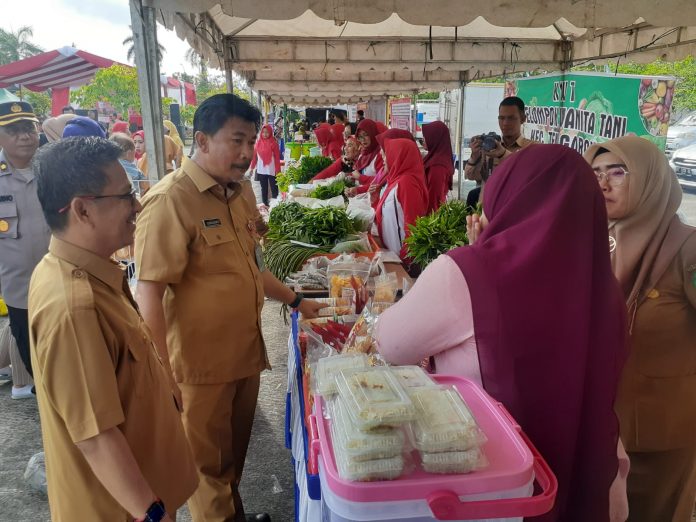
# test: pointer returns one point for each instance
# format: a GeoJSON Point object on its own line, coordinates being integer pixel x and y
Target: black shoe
{"type": "Point", "coordinates": [258, 517]}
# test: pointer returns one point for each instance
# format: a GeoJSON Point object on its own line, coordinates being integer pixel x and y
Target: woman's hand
{"type": "Point", "coordinates": [351, 192]}
{"type": "Point", "coordinates": [473, 227]}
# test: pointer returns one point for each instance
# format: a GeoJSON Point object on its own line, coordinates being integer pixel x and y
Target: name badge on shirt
{"type": "Point", "coordinates": [212, 223]}
{"type": "Point", "coordinates": [5, 198]}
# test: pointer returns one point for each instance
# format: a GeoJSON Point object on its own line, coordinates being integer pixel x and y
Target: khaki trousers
{"type": "Point", "coordinates": [9, 355]}
{"type": "Point", "coordinates": [662, 485]}
{"type": "Point", "coordinates": [218, 420]}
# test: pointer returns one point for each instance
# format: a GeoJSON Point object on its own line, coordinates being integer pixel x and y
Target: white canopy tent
{"type": "Point", "coordinates": [341, 51]}
{"type": "Point", "coordinates": [323, 52]}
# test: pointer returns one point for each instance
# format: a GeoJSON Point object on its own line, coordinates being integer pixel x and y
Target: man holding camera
{"type": "Point", "coordinates": [488, 150]}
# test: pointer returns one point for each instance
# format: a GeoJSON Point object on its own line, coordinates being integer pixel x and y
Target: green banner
{"type": "Point", "coordinates": [580, 109]}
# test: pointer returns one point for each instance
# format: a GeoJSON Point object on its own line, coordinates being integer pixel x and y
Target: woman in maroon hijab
{"type": "Point", "coordinates": [439, 166]}
{"type": "Point", "coordinates": [532, 311]}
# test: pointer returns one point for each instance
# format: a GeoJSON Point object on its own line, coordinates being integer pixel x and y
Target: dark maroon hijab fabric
{"type": "Point", "coordinates": [550, 319]}
{"type": "Point", "coordinates": [437, 139]}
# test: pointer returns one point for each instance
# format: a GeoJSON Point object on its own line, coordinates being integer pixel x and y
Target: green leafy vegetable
{"type": "Point", "coordinates": [328, 191]}
{"type": "Point", "coordinates": [308, 168]}
{"type": "Point", "coordinates": [438, 232]}
{"type": "Point", "coordinates": [323, 226]}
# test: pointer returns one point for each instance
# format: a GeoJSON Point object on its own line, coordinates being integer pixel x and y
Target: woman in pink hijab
{"type": "Point", "coordinates": [533, 313]}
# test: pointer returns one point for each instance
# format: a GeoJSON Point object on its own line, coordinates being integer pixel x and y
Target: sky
{"type": "Point", "coordinates": [96, 26]}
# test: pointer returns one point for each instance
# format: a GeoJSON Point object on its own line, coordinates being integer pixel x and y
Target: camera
{"type": "Point", "coordinates": [488, 141]}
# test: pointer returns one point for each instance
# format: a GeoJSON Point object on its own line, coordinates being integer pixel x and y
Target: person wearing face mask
{"type": "Point", "coordinates": [653, 255]}
{"type": "Point", "coordinates": [24, 234]}
{"type": "Point", "coordinates": [201, 287]}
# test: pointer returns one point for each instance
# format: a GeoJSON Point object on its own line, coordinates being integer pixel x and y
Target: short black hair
{"type": "Point", "coordinates": [513, 101]}
{"type": "Point", "coordinates": [68, 168]}
{"type": "Point", "coordinates": [361, 113]}
{"type": "Point", "coordinates": [214, 112]}
{"type": "Point", "coordinates": [68, 108]}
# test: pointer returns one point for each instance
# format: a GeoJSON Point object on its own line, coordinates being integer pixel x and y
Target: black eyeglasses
{"type": "Point", "coordinates": [130, 195]}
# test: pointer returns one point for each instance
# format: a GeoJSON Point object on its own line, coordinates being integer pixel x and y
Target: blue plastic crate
{"type": "Point", "coordinates": [313, 483]}
{"type": "Point", "coordinates": [288, 421]}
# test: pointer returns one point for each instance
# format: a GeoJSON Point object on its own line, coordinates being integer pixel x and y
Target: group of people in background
{"type": "Point", "coordinates": [386, 165]}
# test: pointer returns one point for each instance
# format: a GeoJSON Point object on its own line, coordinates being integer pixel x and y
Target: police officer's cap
{"type": "Point", "coordinates": [14, 111]}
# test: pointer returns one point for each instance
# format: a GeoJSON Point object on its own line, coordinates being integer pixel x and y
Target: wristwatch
{"type": "Point", "coordinates": [296, 302]}
{"type": "Point", "coordinates": [154, 513]}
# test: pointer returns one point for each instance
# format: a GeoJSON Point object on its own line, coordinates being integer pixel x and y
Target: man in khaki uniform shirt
{"type": "Point", "coordinates": [511, 117]}
{"type": "Point", "coordinates": [201, 286]}
{"type": "Point", "coordinates": [113, 438]}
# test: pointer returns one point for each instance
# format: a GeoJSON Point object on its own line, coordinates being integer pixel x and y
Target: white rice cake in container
{"type": "Point", "coordinates": [328, 368]}
{"type": "Point", "coordinates": [412, 376]}
{"type": "Point", "coordinates": [373, 397]}
{"type": "Point", "coordinates": [358, 445]}
{"type": "Point", "coordinates": [370, 470]}
{"type": "Point", "coordinates": [459, 462]}
{"type": "Point", "coordinates": [443, 421]}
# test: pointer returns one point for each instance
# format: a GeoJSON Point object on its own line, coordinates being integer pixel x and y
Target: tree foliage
{"type": "Point", "coordinates": [16, 45]}
{"type": "Point", "coordinates": [117, 85]}
{"type": "Point", "coordinates": [40, 102]}
{"type": "Point", "coordinates": [130, 55]}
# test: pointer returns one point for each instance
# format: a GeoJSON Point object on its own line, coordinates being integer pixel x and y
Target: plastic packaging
{"type": "Point", "coordinates": [373, 397]}
{"type": "Point", "coordinates": [386, 287]}
{"type": "Point", "coordinates": [412, 376]}
{"type": "Point", "coordinates": [443, 422]}
{"type": "Point", "coordinates": [336, 306]}
{"type": "Point", "coordinates": [361, 212]}
{"type": "Point", "coordinates": [360, 339]}
{"type": "Point", "coordinates": [361, 446]}
{"type": "Point", "coordinates": [328, 368]}
{"type": "Point", "coordinates": [379, 469]}
{"type": "Point", "coordinates": [459, 462]}
{"type": "Point", "coordinates": [354, 244]}
{"type": "Point", "coordinates": [35, 473]}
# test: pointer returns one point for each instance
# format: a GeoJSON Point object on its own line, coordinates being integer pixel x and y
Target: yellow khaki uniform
{"type": "Point", "coordinates": [199, 238]}
{"type": "Point", "coordinates": [96, 368]}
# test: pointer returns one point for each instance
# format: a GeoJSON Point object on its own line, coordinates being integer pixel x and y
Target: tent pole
{"type": "Point", "coordinates": [144, 24]}
{"type": "Point", "coordinates": [414, 115]}
{"type": "Point", "coordinates": [229, 78]}
{"type": "Point", "coordinates": [459, 135]}
{"type": "Point", "coordinates": [285, 123]}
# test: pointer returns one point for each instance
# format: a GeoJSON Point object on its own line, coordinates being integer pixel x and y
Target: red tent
{"type": "Point", "coordinates": [57, 70]}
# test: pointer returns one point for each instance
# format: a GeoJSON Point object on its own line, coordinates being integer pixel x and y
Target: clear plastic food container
{"type": "Point", "coordinates": [379, 469]}
{"type": "Point", "coordinates": [328, 368]}
{"type": "Point", "coordinates": [373, 397]}
{"type": "Point", "coordinates": [443, 421]}
{"type": "Point", "coordinates": [379, 443]}
{"type": "Point", "coordinates": [453, 461]}
{"type": "Point", "coordinates": [412, 376]}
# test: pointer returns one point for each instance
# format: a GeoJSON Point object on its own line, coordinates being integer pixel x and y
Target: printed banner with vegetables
{"type": "Point", "coordinates": [580, 109]}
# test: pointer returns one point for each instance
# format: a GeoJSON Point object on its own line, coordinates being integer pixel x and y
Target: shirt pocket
{"type": "Point", "coordinates": [8, 220]}
{"type": "Point", "coordinates": [220, 250]}
{"type": "Point", "coordinates": [140, 362]}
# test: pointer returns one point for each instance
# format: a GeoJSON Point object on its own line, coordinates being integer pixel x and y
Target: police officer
{"type": "Point", "coordinates": [113, 438]}
{"type": "Point", "coordinates": [24, 234]}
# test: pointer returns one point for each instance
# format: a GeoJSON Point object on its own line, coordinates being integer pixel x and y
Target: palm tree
{"type": "Point", "coordinates": [16, 45]}
{"type": "Point", "coordinates": [196, 60]}
{"type": "Point", "coordinates": [131, 50]}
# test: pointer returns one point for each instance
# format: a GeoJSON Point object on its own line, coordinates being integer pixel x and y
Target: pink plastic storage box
{"type": "Point", "coordinates": [501, 491]}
